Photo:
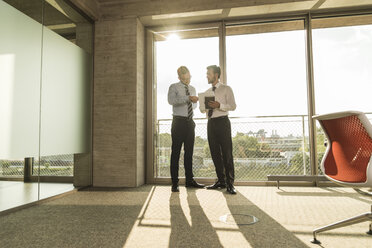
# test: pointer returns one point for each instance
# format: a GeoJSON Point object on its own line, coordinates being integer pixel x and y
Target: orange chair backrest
{"type": "Point", "coordinates": [350, 151]}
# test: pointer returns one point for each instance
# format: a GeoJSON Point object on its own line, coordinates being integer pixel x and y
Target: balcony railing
{"type": "Point", "coordinates": [262, 145]}
{"type": "Point", "coordinates": [59, 165]}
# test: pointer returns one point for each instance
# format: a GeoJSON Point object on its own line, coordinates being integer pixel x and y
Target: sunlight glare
{"type": "Point", "coordinates": [173, 37]}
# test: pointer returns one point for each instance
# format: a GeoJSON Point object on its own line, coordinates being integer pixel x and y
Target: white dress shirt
{"type": "Point", "coordinates": [225, 96]}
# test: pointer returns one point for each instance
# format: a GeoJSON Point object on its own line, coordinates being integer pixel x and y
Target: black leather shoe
{"type": "Point", "coordinates": [194, 184]}
{"type": "Point", "coordinates": [217, 185]}
{"type": "Point", "coordinates": [231, 189]}
{"type": "Point", "coordinates": [175, 188]}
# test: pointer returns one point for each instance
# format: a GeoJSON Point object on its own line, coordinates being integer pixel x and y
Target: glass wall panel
{"type": "Point", "coordinates": [65, 134]}
{"type": "Point", "coordinates": [45, 100]}
{"type": "Point", "coordinates": [266, 68]}
{"type": "Point", "coordinates": [65, 111]}
{"type": "Point", "coordinates": [20, 44]}
{"type": "Point", "coordinates": [195, 49]}
{"type": "Point", "coordinates": [342, 50]}
{"type": "Point", "coordinates": [20, 66]}
{"type": "Point", "coordinates": [342, 66]}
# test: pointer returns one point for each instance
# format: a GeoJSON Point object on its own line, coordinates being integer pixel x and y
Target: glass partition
{"type": "Point", "coordinates": [45, 100]}
{"type": "Point", "coordinates": [65, 134]}
{"type": "Point", "coordinates": [20, 80]}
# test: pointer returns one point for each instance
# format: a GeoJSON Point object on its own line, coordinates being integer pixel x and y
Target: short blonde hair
{"type": "Point", "coordinates": [182, 70]}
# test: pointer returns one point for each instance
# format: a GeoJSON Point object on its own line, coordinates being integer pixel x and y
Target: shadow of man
{"type": "Point", "coordinates": [200, 233]}
{"type": "Point", "coordinates": [266, 232]}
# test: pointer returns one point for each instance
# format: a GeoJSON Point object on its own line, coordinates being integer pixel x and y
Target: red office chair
{"type": "Point", "coordinates": [348, 158]}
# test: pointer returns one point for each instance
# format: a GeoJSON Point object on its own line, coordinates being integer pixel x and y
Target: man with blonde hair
{"type": "Point", "coordinates": [182, 96]}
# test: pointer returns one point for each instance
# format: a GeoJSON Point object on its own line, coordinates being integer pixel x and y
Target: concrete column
{"type": "Point", "coordinates": [82, 170]}
{"type": "Point", "coordinates": [119, 108]}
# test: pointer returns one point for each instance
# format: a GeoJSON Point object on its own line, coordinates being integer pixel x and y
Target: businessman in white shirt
{"type": "Point", "coordinates": [219, 129]}
{"type": "Point", "coordinates": [182, 97]}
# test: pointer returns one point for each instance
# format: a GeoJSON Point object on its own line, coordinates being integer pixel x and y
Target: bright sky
{"type": "Point", "coordinates": [343, 74]}
{"type": "Point", "coordinates": [196, 54]}
{"type": "Point", "coordinates": [267, 71]}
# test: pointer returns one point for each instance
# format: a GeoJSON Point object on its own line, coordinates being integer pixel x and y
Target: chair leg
{"type": "Point", "coordinates": [370, 225]}
{"type": "Point", "coordinates": [347, 222]}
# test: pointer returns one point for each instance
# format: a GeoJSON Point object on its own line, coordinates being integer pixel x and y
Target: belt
{"type": "Point", "coordinates": [219, 118]}
{"type": "Point", "coordinates": [176, 117]}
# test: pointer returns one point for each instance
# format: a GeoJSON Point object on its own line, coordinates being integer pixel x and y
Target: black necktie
{"type": "Point", "coordinates": [189, 104]}
{"type": "Point", "coordinates": [210, 112]}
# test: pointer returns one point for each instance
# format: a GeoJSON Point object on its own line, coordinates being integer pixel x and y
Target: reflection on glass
{"type": "Point", "coordinates": [30, 8]}
{"type": "Point", "coordinates": [61, 18]}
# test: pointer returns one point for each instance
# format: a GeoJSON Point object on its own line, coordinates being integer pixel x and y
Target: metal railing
{"type": "Point", "coordinates": [58, 165]}
{"type": "Point", "coordinates": [262, 145]}
{"type": "Point", "coordinates": [12, 168]}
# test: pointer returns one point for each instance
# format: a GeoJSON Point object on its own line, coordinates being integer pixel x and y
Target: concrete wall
{"type": "Point", "coordinates": [119, 109]}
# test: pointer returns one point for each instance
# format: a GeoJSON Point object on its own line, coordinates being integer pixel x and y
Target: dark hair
{"type": "Point", "coordinates": [216, 69]}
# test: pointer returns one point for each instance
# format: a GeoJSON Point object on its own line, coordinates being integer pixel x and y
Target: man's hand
{"type": "Point", "coordinates": [214, 104]}
{"type": "Point", "coordinates": [194, 99]}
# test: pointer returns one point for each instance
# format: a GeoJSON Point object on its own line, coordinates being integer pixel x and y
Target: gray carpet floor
{"type": "Point", "coordinates": [152, 216]}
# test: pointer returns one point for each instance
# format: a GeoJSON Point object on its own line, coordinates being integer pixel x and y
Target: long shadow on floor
{"type": "Point", "coordinates": [84, 219]}
{"type": "Point", "coordinates": [266, 232]}
{"type": "Point", "coordinates": [200, 233]}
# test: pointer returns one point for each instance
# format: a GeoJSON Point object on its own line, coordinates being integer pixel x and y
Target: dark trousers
{"type": "Point", "coordinates": [220, 145]}
{"type": "Point", "coordinates": [183, 132]}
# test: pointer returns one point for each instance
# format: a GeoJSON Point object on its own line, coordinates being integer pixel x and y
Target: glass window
{"type": "Point", "coordinates": [195, 49]}
{"type": "Point", "coordinates": [342, 48]}
{"type": "Point", "coordinates": [266, 68]}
